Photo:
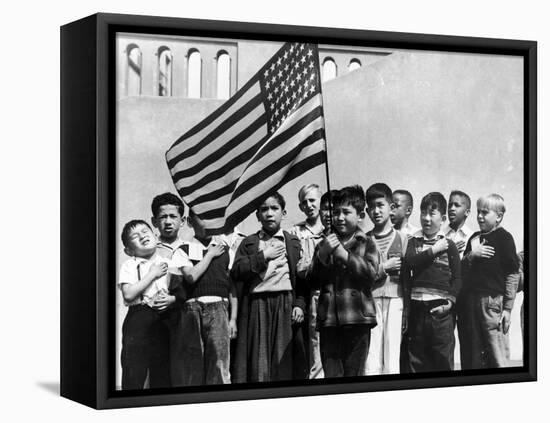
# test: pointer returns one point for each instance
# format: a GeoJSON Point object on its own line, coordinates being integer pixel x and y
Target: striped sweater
{"type": "Point", "coordinates": [424, 272]}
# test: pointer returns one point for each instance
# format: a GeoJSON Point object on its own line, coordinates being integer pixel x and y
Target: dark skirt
{"type": "Point", "coordinates": [269, 347]}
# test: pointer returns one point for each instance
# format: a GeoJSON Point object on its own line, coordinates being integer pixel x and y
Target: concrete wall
{"type": "Point", "coordinates": [431, 122]}
{"type": "Point", "coordinates": [420, 121]}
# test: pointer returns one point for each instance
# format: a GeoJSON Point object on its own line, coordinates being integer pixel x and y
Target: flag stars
{"type": "Point", "coordinates": [309, 53]}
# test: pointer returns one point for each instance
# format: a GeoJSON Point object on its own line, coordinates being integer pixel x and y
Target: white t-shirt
{"type": "Point", "coordinates": [135, 269]}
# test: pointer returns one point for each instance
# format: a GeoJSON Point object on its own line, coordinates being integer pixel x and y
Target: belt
{"type": "Point", "coordinates": [207, 299]}
{"type": "Point", "coordinates": [431, 303]}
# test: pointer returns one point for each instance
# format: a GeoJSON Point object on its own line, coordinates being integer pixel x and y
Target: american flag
{"type": "Point", "coordinates": [270, 132]}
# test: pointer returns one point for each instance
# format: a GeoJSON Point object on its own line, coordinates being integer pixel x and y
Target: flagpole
{"type": "Point", "coordinates": [326, 146]}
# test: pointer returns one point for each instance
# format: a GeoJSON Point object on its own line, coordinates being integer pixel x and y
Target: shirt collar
{"type": "Point", "coordinates": [420, 234]}
{"type": "Point", "coordinates": [141, 260]}
{"type": "Point", "coordinates": [264, 235]}
{"type": "Point", "coordinates": [171, 246]}
{"type": "Point", "coordinates": [463, 230]}
{"type": "Point", "coordinates": [305, 226]}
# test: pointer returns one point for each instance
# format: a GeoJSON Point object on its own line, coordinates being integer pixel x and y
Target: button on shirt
{"type": "Point", "coordinates": [135, 269]}
{"type": "Point", "coordinates": [277, 275]}
{"type": "Point", "coordinates": [309, 238]}
{"type": "Point", "coordinates": [463, 234]}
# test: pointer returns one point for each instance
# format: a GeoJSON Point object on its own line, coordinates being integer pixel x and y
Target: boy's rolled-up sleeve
{"type": "Point", "coordinates": [127, 274]}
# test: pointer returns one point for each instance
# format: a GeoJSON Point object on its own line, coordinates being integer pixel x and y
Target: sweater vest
{"type": "Point", "coordinates": [214, 281]}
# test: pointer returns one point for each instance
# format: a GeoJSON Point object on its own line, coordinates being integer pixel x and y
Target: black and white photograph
{"type": "Point", "coordinates": [296, 211]}
{"type": "Point", "coordinates": [285, 211]}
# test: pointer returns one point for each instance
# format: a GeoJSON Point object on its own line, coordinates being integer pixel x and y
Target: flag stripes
{"type": "Point", "coordinates": [268, 133]}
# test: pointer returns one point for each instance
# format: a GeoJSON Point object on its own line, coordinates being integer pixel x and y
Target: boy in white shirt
{"type": "Point", "coordinates": [144, 283]}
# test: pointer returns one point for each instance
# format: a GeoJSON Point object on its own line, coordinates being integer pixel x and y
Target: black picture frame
{"type": "Point", "coordinates": [88, 173]}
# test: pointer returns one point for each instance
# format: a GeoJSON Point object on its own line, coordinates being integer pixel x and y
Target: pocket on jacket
{"type": "Point", "coordinates": [322, 306]}
{"type": "Point", "coordinates": [495, 303]}
{"type": "Point", "coordinates": [367, 306]}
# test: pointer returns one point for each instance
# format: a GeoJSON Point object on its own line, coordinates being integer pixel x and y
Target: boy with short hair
{"type": "Point", "coordinates": [490, 265]}
{"type": "Point", "coordinates": [344, 268]}
{"type": "Point", "coordinates": [209, 315]}
{"type": "Point", "coordinates": [403, 207]}
{"type": "Point", "coordinates": [144, 284]}
{"type": "Point", "coordinates": [270, 344]}
{"type": "Point", "coordinates": [431, 270]}
{"type": "Point", "coordinates": [458, 211]}
{"type": "Point", "coordinates": [387, 292]}
{"type": "Point", "coordinates": [167, 210]}
{"type": "Point", "coordinates": [310, 233]}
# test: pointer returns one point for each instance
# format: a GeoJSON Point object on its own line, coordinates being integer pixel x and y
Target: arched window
{"type": "Point", "coordinates": [354, 64]}
{"type": "Point", "coordinates": [329, 69]}
{"type": "Point", "coordinates": [194, 74]}
{"type": "Point", "coordinates": [165, 72]}
{"type": "Point", "coordinates": [133, 70]}
{"type": "Point", "coordinates": [223, 76]}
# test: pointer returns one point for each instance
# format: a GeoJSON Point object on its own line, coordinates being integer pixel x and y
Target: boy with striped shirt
{"type": "Point", "coordinates": [384, 353]}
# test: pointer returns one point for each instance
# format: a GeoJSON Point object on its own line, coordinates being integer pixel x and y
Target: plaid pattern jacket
{"type": "Point", "coordinates": [346, 297]}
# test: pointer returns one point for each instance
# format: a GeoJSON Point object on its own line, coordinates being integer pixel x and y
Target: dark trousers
{"type": "Point", "coordinates": [145, 349]}
{"type": "Point", "coordinates": [430, 340]}
{"type": "Point", "coordinates": [344, 350]}
{"type": "Point", "coordinates": [483, 343]}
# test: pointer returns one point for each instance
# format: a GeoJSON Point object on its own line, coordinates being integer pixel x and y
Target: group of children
{"type": "Point", "coordinates": [323, 300]}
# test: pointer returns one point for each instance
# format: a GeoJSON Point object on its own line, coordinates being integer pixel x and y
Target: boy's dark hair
{"type": "Point", "coordinates": [406, 194]}
{"type": "Point", "coordinates": [277, 196]}
{"type": "Point", "coordinates": [463, 195]}
{"type": "Point", "coordinates": [128, 228]}
{"type": "Point", "coordinates": [167, 199]}
{"type": "Point", "coordinates": [352, 195]}
{"type": "Point", "coordinates": [434, 201]}
{"type": "Point", "coordinates": [328, 196]}
{"type": "Point", "coordinates": [378, 190]}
